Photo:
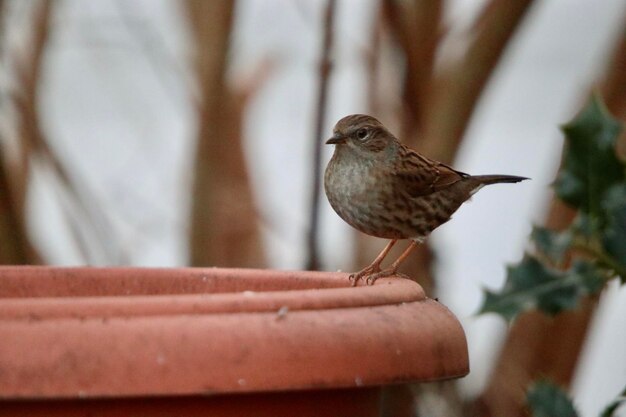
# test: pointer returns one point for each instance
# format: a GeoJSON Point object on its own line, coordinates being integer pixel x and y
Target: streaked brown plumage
{"type": "Point", "coordinates": [385, 189]}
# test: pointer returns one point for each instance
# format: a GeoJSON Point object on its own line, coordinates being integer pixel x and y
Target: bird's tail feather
{"type": "Point", "coordinates": [495, 179]}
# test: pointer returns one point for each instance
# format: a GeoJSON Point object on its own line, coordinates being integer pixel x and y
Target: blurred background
{"type": "Point", "coordinates": [173, 133]}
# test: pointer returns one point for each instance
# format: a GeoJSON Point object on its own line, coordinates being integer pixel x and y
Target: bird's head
{"type": "Point", "coordinates": [360, 132]}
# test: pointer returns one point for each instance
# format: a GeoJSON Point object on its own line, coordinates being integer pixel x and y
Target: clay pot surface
{"type": "Point", "coordinates": [135, 332]}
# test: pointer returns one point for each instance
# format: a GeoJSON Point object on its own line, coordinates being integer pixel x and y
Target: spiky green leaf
{"type": "Point", "coordinates": [585, 226]}
{"type": "Point", "coordinates": [551, 243]}
{"type": "Point", "coordinates": [590, 165]}
{"type": "Point", "coordinates": [614, 236]}
{"type": "Point", "coordinates": [532, 285]}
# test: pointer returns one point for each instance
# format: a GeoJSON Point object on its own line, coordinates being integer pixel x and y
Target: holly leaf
{"type": "Point", "coordinates": [532, 285]}
{"type": "Point", "coordinates": [548, 400]}
{"type": "Point", "coordinates": [521, 289]}
{"type": "Point", "coordinates": [551, 243]}
{"type": "Point", "coordinates": [590, 164]}
{"type": "Point", "coordinates": [614, 236]}
{"type": "Point", "coordinates": [587, 276]}
{"type": "Point", "coordinates": [584, 226]}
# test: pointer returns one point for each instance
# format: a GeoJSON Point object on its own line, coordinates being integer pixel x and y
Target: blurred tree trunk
{"type": "Point", "coordinates": [15, 245]}
{"type": "Point", "coordinates": [224, 229]}
{"type": "Point", "coordinates": [614, 88]}
{"type": "Point", "coordinates": [416, 27]}
{"type": "Point", "coordinates": [538, 346]}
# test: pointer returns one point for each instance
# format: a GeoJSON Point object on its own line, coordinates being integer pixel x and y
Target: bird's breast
{"type": "Point", "coordinates": [350, 183]}
{"type": "Point", "coordinates": [358, 194]}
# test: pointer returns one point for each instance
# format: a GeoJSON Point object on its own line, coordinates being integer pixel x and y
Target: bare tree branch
{"type": "Point", "coordinates": [34, 142]}
{"type": "Point", "coordinates": [457, 90]}
{"type": "Point", "coordinates": [16, 245]}
{"type": "Point", "coordinates": [28, 72]}
{"type": "Point", "coordinates": [415, 26]}
{"type": "Point", "coordinates": [312, 262]}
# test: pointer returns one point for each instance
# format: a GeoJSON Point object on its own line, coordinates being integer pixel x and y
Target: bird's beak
{"type": "Point", "coordinates": [336, 139]}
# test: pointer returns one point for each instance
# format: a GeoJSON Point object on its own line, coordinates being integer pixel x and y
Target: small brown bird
{"type": "Point", "coordinates": [385, 189]}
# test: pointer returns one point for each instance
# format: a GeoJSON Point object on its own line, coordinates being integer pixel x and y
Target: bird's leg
{"type": "Point", "coordinates": [394, 266]}
{"type": "Point", "coordinates": [374, 266]}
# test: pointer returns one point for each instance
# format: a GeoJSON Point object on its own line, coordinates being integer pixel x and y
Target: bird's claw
{"type": "Point", "coordinates": [353, 278]}
{"type": "Point", "coordinates": [368, 271]}
{"type": "Point", "coordinates": [371, 279]}
{"type": "Point", "coordinates": [370, 274]}
{"type": "Point", "coordinates": [381, 274]}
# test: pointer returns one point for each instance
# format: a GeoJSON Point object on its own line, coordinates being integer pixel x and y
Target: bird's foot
{"type": "Point", "coordinates": [381, 274]}
{"type": "Point", "coordinates": [365, 272]}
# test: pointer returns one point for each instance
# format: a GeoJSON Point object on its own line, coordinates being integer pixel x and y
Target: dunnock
{"type": "Point", "coordinates": [385, 189]}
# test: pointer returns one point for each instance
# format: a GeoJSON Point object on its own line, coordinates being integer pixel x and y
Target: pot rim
{"type": "Point", "coordinates": [148, 343]}
{"type": "Point", "coordinates": [55, 297]}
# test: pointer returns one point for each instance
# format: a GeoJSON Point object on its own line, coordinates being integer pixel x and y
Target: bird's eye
{"type": "Point", "coordinates": [361, 133]}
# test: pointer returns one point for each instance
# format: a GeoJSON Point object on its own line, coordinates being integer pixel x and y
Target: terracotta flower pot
{"type": "Point", "coordinates": [139, 341]}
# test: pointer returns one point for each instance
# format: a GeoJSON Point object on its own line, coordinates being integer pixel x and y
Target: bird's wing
{"type": "Point", "coordinates": [418, 176]}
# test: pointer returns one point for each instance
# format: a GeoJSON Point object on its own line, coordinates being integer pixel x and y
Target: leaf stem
{"type": "Point", "coordinates": [602, 257]}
